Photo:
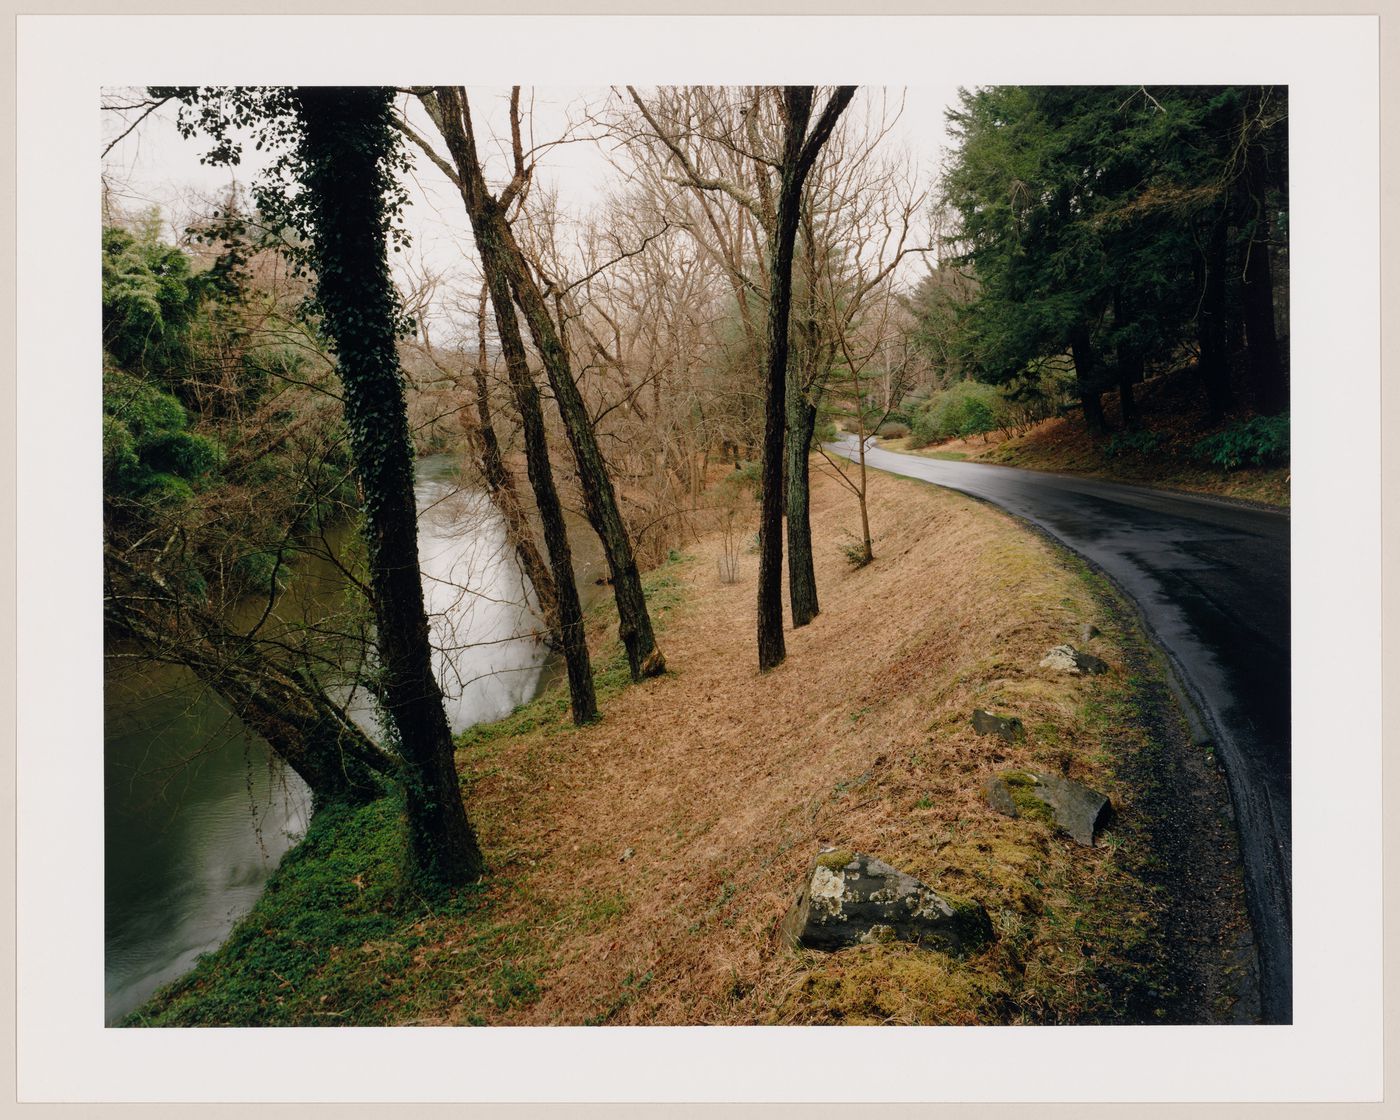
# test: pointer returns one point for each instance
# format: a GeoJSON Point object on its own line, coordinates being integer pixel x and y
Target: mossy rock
{"type": "Point", "coordinates": [852, 899]}
{"type": "Point", "coordinates": [1009, 728]}
{"type": "Point", "coordinates": [1073, 808]}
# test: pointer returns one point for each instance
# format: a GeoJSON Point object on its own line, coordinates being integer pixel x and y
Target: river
{"type": "Point", "coordinates": [199, 811]}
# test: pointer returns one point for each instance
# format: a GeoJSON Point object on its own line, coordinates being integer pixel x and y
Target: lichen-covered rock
{"type": "Point", "coordinates": [1007, 727]}
{"type": "Point", "coordinates": [854, 899]}
{"type": "Point", "coordinates": [1074, 808]}
{"type": "Point", "coordinates": [1067, 659]}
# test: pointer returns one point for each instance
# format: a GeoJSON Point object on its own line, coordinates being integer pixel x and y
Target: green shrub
{"type": "Point", "coordinates": [1141, 443]}
{"type": "Point", "coordinates": [146, 451]}
{"type": "Point", "coordinates": [140, 406]}
{"type": "Point", "coordinates": [121, 467]}
{"type": "Point", "coordinates": [1260, 441]}
{"type": "Point", "coordinates": [182, 453]}
{"type": "Point", "coordinates": [166, 490]}
{"type": "Point", "coordinates": [968, 408]}
{"type": "Point", "coordinates": [892, 429]}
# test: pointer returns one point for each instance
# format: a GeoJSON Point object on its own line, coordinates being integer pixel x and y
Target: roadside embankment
{"type": "Point", "coordinates": [640, 867]}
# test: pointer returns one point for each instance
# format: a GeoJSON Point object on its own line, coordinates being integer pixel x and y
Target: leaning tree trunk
{"type": "Point", "coordinates": [500, 483]}
{"type": "Point", "coordinates": [583, 700]}
{"type": "Point", "coordinates": [493, 234]}
{"type": "Point", "coordinates": [291, 712]}
{"type": "Point", "coordinates": [347, 141]}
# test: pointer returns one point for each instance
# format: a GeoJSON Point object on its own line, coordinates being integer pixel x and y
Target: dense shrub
{"type": "Point", "coordinates": [967, 408]}
{"type": "Point", "coordinates": [146, 449]}
{"type": "Point", "coordinates": [892, 429]}
{"type": "Point", "coordinates": [1260, 441]}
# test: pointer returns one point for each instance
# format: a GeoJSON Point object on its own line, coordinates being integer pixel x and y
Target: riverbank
{"type": "Point", "coordinates": [639, 867]}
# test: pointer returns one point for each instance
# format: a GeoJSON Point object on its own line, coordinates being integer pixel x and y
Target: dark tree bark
{"type": "Point", "coordinates": [1086, 372]}
{"type": "Point", "coordinates": [347, 140]}
{"type": "Point", "coordinates": [279, 702]}
{"type": "Point", "coordinates": [501, 485]}
{"type": "Point", "coordinates": [583, 700]}
{"type": "Point", "coordinates": [452, 115]}
{"type": "Point", "coordinates": [802, 576]}
{"type": "Point", "coordinates": [1261, 336]}
{"type": "Point", "coordinates": [1211, 323]}
{"type": "Point", "coordinates": [801, 424]}
{"type": "Point", "coordinates": [799, 153]}
{"type": "Point", "coordinates": [1129, 362]}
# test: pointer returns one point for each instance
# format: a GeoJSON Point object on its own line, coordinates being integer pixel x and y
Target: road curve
{"type": "Point", "coordinates": [1212, 582]}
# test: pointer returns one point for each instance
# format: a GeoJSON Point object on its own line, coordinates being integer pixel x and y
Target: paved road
{"type": "Point", "coordinates": [1212, 580]}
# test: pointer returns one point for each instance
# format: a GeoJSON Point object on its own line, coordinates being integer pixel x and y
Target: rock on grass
{"type": "Point", "coordinates": [1066, 659]}
{"type": "Point", "coordinates": [854, 899]}
{"type": "Point", "coordinates": [1074, 808]}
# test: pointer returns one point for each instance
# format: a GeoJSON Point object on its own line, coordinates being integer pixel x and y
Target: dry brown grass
{"type": "Point", "coordinates": [724, 782]}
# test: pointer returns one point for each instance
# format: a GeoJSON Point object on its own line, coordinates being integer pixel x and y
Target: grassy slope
{"type": "Point", "coordinates": [723, 784]}
{"type": "Point", "coordinates": [1169, 405]}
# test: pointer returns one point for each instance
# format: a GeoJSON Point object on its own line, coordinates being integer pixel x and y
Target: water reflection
{"type": "Point", "coordinates": [198, 810]}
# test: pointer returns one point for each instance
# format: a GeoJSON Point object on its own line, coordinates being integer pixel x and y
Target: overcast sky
{"type": "Point", "coordinates": [155, 167]}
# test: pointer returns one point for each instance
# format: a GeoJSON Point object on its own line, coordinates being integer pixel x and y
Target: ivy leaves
{"type": "Point", "coordinates": [267, 117]}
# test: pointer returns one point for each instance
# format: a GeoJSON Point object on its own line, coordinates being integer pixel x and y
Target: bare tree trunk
{"type": "Point", "coordinates": [802, 576]}
{"type": "Point", "coordinates": [801, 423]}
{"type": "Point", "coordinates": [501, 485]}
{"type": "Point", "coordinates": [289, 710]}
{"type": "Point", "coordinates": [347, 136]}
{"type": "Point", "coordinates": [494, 236]}
{"type": "Point", "coordinates": [799, 153]}
{"type": "Point", "coordinates": [583, 700]}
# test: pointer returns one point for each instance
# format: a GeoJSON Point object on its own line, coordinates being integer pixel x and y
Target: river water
{"type": "Point", "coordinates": [199, 811]}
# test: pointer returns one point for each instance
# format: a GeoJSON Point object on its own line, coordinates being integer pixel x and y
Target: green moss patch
{"type": "Point", "coordinates": [338, 938]}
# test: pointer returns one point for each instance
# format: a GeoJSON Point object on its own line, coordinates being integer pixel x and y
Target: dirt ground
{"type": "Point", "coordinates": [652, 856]}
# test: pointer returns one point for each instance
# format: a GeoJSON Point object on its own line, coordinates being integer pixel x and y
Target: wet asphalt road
{"type": "Point", "coordinates": [1212, 581]}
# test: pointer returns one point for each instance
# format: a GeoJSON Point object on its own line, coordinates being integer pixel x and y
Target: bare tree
{"type": "Point", "coordinates": [506, 266]}
{"type": "Point", "coordinates": [799, 152]}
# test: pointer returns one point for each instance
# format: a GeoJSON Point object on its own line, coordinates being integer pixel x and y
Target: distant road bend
{"type": "Point", "coordinates": [1212, 581]}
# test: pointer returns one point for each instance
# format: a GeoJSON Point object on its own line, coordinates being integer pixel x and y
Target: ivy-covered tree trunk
{"type": "Point", "coordinates": [496, 242]}
{"type": "Point", "coordinates": [347, 141]}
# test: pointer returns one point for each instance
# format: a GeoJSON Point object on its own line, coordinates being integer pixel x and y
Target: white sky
{"type": "Point", "coordinates": [155, 166]}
